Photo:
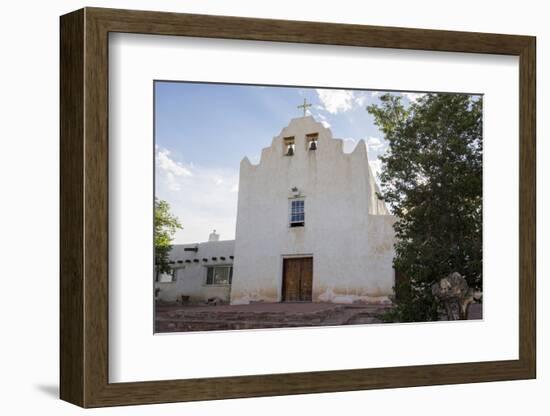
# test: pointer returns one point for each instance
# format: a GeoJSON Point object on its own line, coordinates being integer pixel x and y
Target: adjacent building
{"type": "Point", "coordinates": [199, 272]}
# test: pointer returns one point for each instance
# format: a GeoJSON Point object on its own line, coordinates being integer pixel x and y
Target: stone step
{"type": "Point", "coordinates": [188, 319]}
{"type": "Point", "coordinates": [285, 321]}
{"type": "Point", "coordinates": [265, 316]}
{"type": "Point", "coordinates": [220, 326]}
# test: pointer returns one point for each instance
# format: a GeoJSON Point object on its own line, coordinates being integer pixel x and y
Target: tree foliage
{"type": "Point", "coordinates": [166, 225]}
{"type": "Point", "coordinates": [432, 181]}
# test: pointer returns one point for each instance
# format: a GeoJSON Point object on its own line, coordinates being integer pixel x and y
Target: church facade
{"type": "Point", "coordinates": [310, 228]}
{"type": "Point", "coordinates": [309, 224]}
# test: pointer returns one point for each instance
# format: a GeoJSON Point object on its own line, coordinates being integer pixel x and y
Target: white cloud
{"type": "Point", "coordinates": [323, 120]}
{"type": "Point", "coordinates": [375, 93]}
{"type": "Point", "coordinates": [336, 101]}
{"type": "Point", "coordinates": [361, 98]}
{"type": "Point", "coordinates": [375, 144]}
{"type": "Point", "coordinates": [413, 96]}
{"type": "Point", "coordinates": [170, 169]}
{"type": "Point", "coordinates": [203, 198]}
{"type": "Point", "coordinates": [167, 164]}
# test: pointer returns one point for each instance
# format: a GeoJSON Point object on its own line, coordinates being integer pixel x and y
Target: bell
{"type": "Point", "coordinates": [290, 151]}
{"type": "Point", "coordinates": [313, 145]}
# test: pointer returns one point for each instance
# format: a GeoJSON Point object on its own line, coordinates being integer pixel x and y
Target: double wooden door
{"type": "Point", "coordinates": [297, 279]}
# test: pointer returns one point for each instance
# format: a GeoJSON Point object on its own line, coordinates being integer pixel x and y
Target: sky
{"type": "Point", "coordinates": [203, 131]}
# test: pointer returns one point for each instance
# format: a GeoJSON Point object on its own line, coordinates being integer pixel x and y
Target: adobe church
{"type": "Point", "coordinates": [310, 228]}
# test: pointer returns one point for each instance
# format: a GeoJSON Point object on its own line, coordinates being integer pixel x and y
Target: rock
{"type": "Point", "coordinates": [454, 285]}
{"type": "Point", "coordinates": [455, 294]}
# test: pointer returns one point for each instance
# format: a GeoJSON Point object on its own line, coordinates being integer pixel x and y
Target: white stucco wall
{"type": "Point", "coordinates": [347, 229]}
{"type": "Point", "coordinates": [190, 272]}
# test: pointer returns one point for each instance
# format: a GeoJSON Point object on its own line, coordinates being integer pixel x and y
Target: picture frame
{"type": "Point", "coordinates": [84, 216]}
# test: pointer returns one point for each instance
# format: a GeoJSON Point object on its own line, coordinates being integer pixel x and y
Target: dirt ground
{"type": "Point", "coordinates": [179, 318]}
{"type": "Point", "coordinates": [186, 318]}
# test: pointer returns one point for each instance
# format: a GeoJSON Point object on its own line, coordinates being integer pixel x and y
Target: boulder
{"type": "Point", "coordinates": [455, 295]}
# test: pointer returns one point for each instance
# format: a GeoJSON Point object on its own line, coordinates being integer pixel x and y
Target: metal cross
{"type": "Point", "coordinates": [304, 106]}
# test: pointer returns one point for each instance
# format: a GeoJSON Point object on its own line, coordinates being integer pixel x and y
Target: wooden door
{"type": "Point", "coordinates": [297, 279]}
{"type": "Point", "coordinates": [306, 279]}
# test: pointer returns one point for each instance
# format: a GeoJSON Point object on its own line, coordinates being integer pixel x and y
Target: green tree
{"type": "Point", "coordinates": [166, 225]}
{"type": "Point", "coordinates": [431, 179]}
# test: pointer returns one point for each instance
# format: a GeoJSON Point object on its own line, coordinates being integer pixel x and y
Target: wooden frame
{"type": "Point", "coordinates": [84, 207]}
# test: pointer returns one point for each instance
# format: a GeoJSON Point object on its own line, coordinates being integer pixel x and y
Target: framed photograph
{"type": "Point", "coordinates": [254, 207]}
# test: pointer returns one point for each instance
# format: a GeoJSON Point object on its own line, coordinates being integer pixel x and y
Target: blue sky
{"type": "Point", "coordinates": [202, 132]}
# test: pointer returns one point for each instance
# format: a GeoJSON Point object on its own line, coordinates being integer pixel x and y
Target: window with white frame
{"type": "Point", "coordinates": [297, 213]}
{"type": "Point", "coordinates": [219, 275]}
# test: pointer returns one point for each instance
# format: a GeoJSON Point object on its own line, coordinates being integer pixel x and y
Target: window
{"type": "Point", "coordinates": [289, 146]}
{"type": "Point", "coordinates": [311, 140]}
{"type": "Point", "coordinates": [219, 275]}
{"type": "Point", "coordinates": [297, 213]}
